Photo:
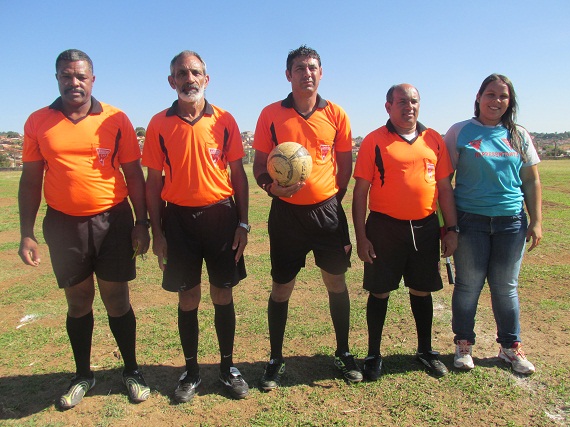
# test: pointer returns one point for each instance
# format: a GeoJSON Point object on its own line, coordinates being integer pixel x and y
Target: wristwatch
{"type": "Point", "coordinates": [453, 228]}
{"type": "Point", "coordinates": [244, 225]}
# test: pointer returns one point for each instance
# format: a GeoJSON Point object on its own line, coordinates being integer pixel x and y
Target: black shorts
{"type": "Point", "coordinates": [82, 245]}
{"type": "Point", "coordinates": [295, 230]}
{"type": "Point", "coordinates": [403, 248]}
{"type": "Point", "coordinates": [194, 234]}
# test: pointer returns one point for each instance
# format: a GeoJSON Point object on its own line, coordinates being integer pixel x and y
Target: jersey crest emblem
{"type": "Point", "coordinates": [430, 171]}
{"type": "Point", "coordinates": [102, 154]}
{"type": "Point", "coordinates": [325, 149]}
{"type": "Point", "coordinates": [215, 154]}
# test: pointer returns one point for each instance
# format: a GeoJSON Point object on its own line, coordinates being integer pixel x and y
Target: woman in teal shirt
{"type": "Point", "coordinates": [496, 175]}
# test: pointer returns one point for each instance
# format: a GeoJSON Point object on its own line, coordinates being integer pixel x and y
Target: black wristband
{"type": "Point", "coordinates": [264, 179]}
{"type": "Point", "coordinates": [267, 188]}
{"type": "Point", "coordinates": [144, 222]}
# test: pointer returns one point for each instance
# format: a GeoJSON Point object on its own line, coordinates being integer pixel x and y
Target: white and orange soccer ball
{"type": "Point", "coordinates": [289, 163]}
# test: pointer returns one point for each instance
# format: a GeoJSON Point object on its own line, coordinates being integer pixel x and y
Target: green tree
{"type": "Point", "coordinates": [140, 131]}
{"type": "Point", "coordinates": [5, 161]}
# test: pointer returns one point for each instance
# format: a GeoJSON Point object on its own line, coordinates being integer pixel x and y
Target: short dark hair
{"type": "Point", "coordinates": [303, 50]}
{"type": "Point", "coordinates": [185, 53]}
{"type": "Point", "coordinates": [390, 93]}
{"type": "Point", "coordinates": [73, 55]}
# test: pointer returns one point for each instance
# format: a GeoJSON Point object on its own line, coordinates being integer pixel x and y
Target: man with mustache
{"type": "Point", "coordinates": [77, 148]}
{"type": "Point", "coordinates": [307, 216]}
{"type": "Point", "coordinates": [206, 214]}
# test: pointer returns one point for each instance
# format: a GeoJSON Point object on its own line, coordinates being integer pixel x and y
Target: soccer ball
{"type": "Point", "coordinates": [289, 163]}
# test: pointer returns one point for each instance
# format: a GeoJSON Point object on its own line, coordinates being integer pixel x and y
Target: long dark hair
{"type": "Point", "coordinates": [510, 116]}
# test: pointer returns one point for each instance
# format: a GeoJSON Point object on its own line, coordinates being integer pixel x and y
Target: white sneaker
{"type": "Point", "coordinates": [516, 357]}
{"type": "Point", "coordinates": [463, 359]}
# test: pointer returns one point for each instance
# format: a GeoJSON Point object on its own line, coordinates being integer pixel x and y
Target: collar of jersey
{"type": "Point", "coordinates": [208, 109]}
{"type": "Point", "coordinates": [419, 127]}
{"type": "Point", "coordinates": [288, 102]}
{"type": "Point", "coordinates": [96, 107]}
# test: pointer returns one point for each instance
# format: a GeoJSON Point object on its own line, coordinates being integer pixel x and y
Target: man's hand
{"type": "Point", "coordinates": [240, 242]}
{"type": "Point", "coordinates": [448, 244]}
{"type": "Point", "coordinates": [285, 192]}
{"type": "Point", "coordinates": [29, 251]}
{"type": "Point", "coordinates": [365, 250]}
{"type": "Point", "coordinates": [140, 239]}
{"type": "Point", "coordinates": [159, 248]}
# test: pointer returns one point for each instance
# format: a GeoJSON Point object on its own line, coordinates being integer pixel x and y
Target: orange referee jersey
{"type": "Point", "coordinates": [194, 155]}
{"type": "Point", "coordinates": [324, 132]}
{"type": "Point", "coordinates": [403, 175]}
{"type": "Point", "coordinates": [82, 158]}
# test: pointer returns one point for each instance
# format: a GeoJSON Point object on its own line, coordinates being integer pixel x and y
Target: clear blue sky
{"type": "Point", "coordinates": [444, 48]}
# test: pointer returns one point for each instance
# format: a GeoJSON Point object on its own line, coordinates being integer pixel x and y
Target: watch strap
{"type": "Point", "coordinates": [244, 225]}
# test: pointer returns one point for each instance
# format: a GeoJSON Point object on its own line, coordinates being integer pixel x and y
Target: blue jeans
{"type": "Point", "coordinates": [489, 248]}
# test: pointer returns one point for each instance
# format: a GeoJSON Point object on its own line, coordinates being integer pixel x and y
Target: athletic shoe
{"type": "Point", "coordinates": [347, 366]}
{"type": "Point", "coordinates": [462, 358]}
{"type": "Point", "coordinates": [516, 357]}
{"type": "Point", "coordinates": [136, 386]}
{"type": "Point", "coordinates": [274, 370]}
{"type": "Point", "coordinates": [372, 367]}
{"type": "Point", "coordinates": [186, 389]}
{"type": "Point", "coordinates": [234, 383]}
{"type": "Point", "coordinates": [431, 361]}
{"type": "Point", "coordinates": [77, 389]}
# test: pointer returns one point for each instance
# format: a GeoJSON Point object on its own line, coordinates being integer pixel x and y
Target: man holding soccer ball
{"type": "Point", "coordinates": [307, 216]}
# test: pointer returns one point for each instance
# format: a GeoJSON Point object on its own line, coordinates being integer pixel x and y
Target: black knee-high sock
{"type": "Point", "coordinates": [277, 320]}
{"type": "Point", "coordinates": [225, 322]}
{"type": "Point", "coordinates": [188, 330]}
{"type": "Point", "coordinates": [422, 308]}
{"type": "Point", "coordinates": [339, 305]}
{"type": "Point", "coordinates": [124, 329]}
{"type": "Point", "coordinates": [376, 309]}
{"type": "Point", "coordinates": [80, 332]}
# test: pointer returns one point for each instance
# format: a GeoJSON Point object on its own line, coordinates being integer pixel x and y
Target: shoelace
{"type": "Point", "coordinates": [349, 362]}
{"type": "Point", "coordinates": [372, 362]}
{"type": "Point", "coordinates": [273, 366]}
{"type": "Point", "coordinates": [136, 375]}
{"type": "Point", "coordinates": [463, 348]}
{"type": "Point", "coordinates": [519, 352]}
{"type": "Point", "coordinates": [236, 380]}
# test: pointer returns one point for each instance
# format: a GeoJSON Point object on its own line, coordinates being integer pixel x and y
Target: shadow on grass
{"type": "Point", "coordinates": [25, 395]}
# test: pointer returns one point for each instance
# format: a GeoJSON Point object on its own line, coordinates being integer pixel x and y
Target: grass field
{"type": "Point", "coordinates": [36, 361]}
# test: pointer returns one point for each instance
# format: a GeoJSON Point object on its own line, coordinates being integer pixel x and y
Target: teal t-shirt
{"type": "Point", "coordinates": [487, 179]}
